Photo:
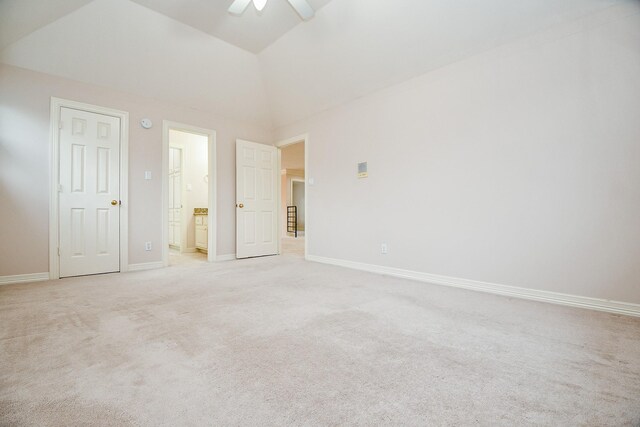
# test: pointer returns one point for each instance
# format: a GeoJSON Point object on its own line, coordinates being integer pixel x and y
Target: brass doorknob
{"type": "Point", "coordinates": [114, 202]}
{"type": "Point", "coordinates": [241, 206]}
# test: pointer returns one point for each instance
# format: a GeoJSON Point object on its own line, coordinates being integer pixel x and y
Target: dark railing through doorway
{"type": "Point", "coordinates": [292, 220]}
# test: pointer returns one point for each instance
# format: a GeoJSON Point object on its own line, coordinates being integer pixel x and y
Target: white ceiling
{"type": "Point", "coordinates": [186, 51]}
{"type": "Point", "coordinates": [355, 47]}
{"type": "Point", "coordinates": [21, 17]}
{"type": "Point", "coordinates": [122, 45]}
{"type": "Point", "coordinates": [252, 31]}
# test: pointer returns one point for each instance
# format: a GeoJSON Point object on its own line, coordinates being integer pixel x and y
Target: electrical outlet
{"type": "Point", "coordinates": [384, 249]}
{"type": "Point", "coordinates": [147, 246]}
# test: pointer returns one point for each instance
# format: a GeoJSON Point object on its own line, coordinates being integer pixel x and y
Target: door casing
{"type": "Point", "coordinates": [54, 181]}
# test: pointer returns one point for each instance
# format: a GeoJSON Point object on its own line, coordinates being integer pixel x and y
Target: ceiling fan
{"type": "Point", "coordinates": [300, 6]}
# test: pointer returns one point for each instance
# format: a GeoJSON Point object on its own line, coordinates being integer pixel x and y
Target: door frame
{"type": "Point", "coordinates": [54, 180]}
{"type": "Point", "coordinates": [212, 217]}
{"type": "Point", "coordinates": [280, 145]}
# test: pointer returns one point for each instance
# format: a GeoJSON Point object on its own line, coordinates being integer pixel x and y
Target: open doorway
{"type": "Point", "coordinates": [189, 196]}
{"type": "Point", "coordinates": [293, 233]}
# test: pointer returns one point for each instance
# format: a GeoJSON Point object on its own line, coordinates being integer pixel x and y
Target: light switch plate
{"type": "Point", "coordinates": [147, 174]}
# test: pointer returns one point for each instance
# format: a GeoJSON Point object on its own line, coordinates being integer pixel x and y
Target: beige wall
{"type": "Point", "coordinates": [292, 156]}
{"type": "Point", "coordinates": [520, 166]}
{"type": "Point", "coordinates": [24, 165]}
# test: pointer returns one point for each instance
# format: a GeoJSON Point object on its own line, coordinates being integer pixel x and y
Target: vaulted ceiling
{"type": "Point", "coordinates": [21, 17]}
{"type": "Point", "coordinates": [271, 69]}
{"type": "Point", "coordinates": [253, 31]}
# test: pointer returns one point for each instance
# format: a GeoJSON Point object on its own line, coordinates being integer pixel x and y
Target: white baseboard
{"type": "Point", "coordinates": [226, 257]}
{"type": "Point", "coordinates": [599, 304]}
{"type": "Point", "coordinates": [146, 266]}
{"type": "Point", "coordinates": [24, 278]}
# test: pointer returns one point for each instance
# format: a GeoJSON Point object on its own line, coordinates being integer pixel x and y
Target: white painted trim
{"type": "Point", "coordinates": [54, 156]}
{"type": "Point", "coordinates": [294, 140]}
{"type": "Point", "coordinates": [599, 304]}
{"type": "Point", "coordinates": [226, 257]}
{"type": "Point", "coordinates": [146, 266]}
{"type": "Point", "coordinates": [24, 278]}
{"type": "Point", "coordinates": [212, 217]}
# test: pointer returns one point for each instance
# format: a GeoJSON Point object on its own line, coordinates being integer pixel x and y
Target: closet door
{"type": "Point", "coordinates": [89, 193]}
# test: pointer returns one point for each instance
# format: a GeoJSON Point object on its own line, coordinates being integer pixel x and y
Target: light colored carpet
{"type": "Point", "coordinates": [280, 341]}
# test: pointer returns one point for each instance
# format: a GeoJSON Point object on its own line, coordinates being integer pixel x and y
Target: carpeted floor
{"type": "Point", "coordinates": [280, 341]}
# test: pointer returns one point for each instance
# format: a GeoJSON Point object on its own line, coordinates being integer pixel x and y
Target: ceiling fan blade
{"type": "Point", "coordinates": [238, 6]}
{"type": "Point", "coordinates": [303, 8]}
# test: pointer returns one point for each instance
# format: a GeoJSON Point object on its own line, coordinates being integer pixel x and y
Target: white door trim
{"type": "Point", "coordinates": [281, 144]}
{"type": "Point", "coordinates": [212, 218]}
{"type": "Point", "coordinates": [54, 155]}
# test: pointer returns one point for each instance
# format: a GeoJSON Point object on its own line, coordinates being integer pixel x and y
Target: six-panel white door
{"type": "Point", "coordinates": [256, 199]}
{"type": "Point", "coordinates": [89, 192]}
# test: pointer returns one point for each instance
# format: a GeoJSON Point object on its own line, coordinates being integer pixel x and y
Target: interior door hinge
{"type": "Point", "coordinates": [58, 251]}
{"type": "Point", "coordinates": [60, 124]}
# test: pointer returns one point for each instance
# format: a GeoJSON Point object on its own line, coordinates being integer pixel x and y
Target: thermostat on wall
{"type": "Point", "coordinates": [362, 170]}
{"type": "Point", "coordinates": [146, 123]}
